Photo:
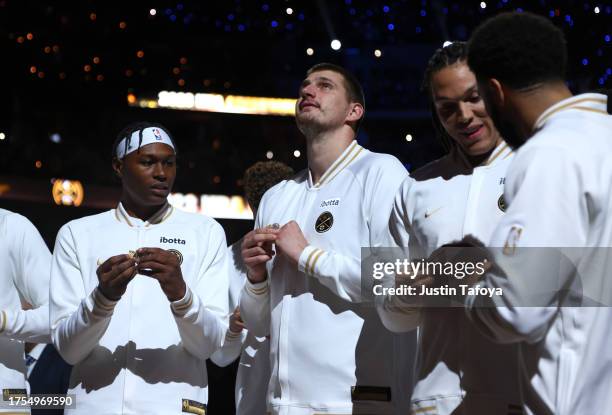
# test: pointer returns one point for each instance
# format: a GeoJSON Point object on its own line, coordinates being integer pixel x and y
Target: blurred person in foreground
{"type": "Point", "coordinates": [558, 195]}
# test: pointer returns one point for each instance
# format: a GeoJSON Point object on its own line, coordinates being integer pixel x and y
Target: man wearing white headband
{"type": "Point", "coordinates": [139, 293]}
{"type": "Point", "coordinates": [140, 138]}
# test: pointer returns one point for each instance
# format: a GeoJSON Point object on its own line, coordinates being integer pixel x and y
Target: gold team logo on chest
{"type": "Point", "coordinates": [324, 222]}
{"type": "Point", "coordinates": [501, 203]}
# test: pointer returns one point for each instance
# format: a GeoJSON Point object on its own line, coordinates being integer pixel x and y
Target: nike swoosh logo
{"type": "Point", "coordinates": [428, 214]}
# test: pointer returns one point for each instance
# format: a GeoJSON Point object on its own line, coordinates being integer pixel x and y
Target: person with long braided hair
{"type": "Point", "coordinates": [459, 371]}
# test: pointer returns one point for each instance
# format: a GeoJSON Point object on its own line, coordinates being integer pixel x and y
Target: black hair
{"type": "Point", "coordinates": [352, 85]}
{"type": "Point", "coordinates": [608, 93]}
{"type": "Point", "coordinates": [446, 56]}
{"type": "Point", "coordinates": [261, 176]}
{"type": "Point", "coordinates": [138, 126]}
{"type": "Point", "coordinates": [443, 57]}
{"type": "Point", "coordinates": [520, 50]}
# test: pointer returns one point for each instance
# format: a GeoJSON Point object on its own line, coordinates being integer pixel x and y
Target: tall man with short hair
{"type": "Point", "coordinates": [329, 350]}
{"type": "Point", "coordinates": [558, 193]}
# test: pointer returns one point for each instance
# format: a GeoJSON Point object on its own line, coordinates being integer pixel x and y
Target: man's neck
{"type": "Point", "coordinates": [479, 160]}
{"type": "Point", "coordinates": [141, 212]}
{"type": "Point", "coordinates": [324, 148]}
{"type": "Point", "coordinates": [529, 105]}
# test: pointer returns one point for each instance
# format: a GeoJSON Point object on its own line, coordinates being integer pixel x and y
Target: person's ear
{"type": "Point", "coordinates": [496, 92]}
{"type": "Point", "coordinates": [118, 167]}
{"type": "Point", "coordinates": [356, 112]}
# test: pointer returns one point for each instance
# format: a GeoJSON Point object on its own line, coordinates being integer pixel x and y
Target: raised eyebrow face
{"type": "Point", "coordinates": [317, 79]}
{"type": "Point", "coordinates": [466, 95]}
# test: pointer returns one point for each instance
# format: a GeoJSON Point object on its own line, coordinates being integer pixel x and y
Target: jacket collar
{"type": "Point", "coordinates": [158, 217]}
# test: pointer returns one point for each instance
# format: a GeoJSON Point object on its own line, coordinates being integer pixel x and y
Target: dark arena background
{"type": "Point", "coordinates": [221, 75]}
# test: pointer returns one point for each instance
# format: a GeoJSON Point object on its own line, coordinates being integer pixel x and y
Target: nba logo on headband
{"type": "Point", "coordinates": [142, 138]}
{"type": "Point", "coordinates": [157, 134]}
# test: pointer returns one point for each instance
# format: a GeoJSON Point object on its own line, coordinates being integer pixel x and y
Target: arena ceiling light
{"type": "Point", "coordinates": [231, 104]}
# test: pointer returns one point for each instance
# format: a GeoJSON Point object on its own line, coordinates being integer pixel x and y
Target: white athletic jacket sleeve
{"type": "Point", "coordinates": [30, 259]}
{"type": "Point", "coordinates": [255, 307]}
{"type": "Point", "coordinates": [80, 324]}
{"type": "Point", "coordinates": [202, 313]}
{"type": "Point", "coordinates": [399, 220]}
{"type": "Point", "coordinates": [255, 298]}
{"type": "Point", "coordinates": [232, 345]}
{"type": "Point", "coordinates": [231, 349]}
{"type": "Point", "coordinates": [541, 190]}
{"type": "Point", "coordinates": [341, 273]}
{"type": "Point", "coordinates": [395, 314]}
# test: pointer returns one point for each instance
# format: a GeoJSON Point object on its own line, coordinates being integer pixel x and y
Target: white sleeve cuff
{"type": "Point", "coordinates": [101, 305]}
{"type": "Point", "coordinates": [258, 288]}
{"type": "Point", "coordinates": [231, 336]}
{"type": "Point", "coordinates": [308, 260]}
{"type": "Point", "coordinates": [182, 306]}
